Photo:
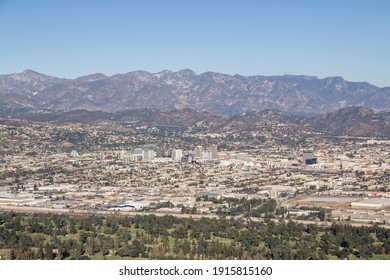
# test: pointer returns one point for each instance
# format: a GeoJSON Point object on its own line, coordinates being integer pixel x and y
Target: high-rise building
{"type": "Point", "coordinates": [177, 154]}
{"type": "Point", "coordinates": [148, 153]}
{"type": "Point", "coordinates": [198, 152]}
{"type": "Point", "coordinates": [168, 153]}
{"type": "Point", "coordinates": [207, 155]}
{"type": "Point", "coordinates": [127, 158]}
{"type": "Point", "coordinates": [137, 155]}
{"type": "Point", "coordinates": [214, 151]}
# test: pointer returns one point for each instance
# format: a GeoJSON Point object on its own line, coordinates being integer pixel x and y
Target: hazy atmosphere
{"type": "Point", "coordinates": [74, 38]}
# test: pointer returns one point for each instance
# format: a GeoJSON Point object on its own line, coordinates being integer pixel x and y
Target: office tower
{"type": "Point", "coordinates": [198, 152]}
{"type": "Point", "coordinates": [214, 151]}
{"type": "Point", "coordinates": [148, 153]}
{"type": "Point", "coordinates": [177, 154]}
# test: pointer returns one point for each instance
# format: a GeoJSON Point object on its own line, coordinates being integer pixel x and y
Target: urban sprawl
{"type": "Point", "coordinates": [123, 170]}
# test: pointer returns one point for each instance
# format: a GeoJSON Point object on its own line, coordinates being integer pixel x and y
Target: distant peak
{"type": "Point", "coordinates": [30, 72]}
{"type": "Point", "coordinates": [186, 72]}
{"type": "Point", "coordinates": [335, 79]}
{"type": "Point", "coordinates": [93, 77]}
{"type": "Point", "coordinates": [30, 75]}
{"type": "Point", "coordinates": [164, 72]}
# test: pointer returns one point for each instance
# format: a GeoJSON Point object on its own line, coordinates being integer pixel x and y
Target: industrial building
{"type": "Point", "coordinates": [372, 203]}
{"type": "Point", "coordinates": [309, 158]}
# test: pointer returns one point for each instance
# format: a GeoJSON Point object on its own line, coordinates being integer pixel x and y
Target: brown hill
{"type": "Point", "coordinates": [353, 121]}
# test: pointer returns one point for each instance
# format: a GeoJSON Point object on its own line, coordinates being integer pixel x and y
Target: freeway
{"type": "Point", "coordinates": [77, 212]}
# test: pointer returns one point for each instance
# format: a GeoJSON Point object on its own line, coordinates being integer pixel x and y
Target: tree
{"type": "Point", "coordinates": [49, 254]}
{"type": "Point", "coordinates": [40, 253]}
{"type": "Point", "coordinates": [137, 249]}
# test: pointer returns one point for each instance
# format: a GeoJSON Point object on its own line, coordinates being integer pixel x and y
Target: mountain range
{"type": "Point", "coordinates": [222, 94]}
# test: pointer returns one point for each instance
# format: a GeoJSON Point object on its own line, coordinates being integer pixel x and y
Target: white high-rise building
{"type": "Point", "coordinates": [137, 154]}
{"type": "Point", "coordinates": [177, 154]}
{"type": "Point", "coordinates": [137, 157]}
{"type": "Point", "coordinates": [127, 158]}
{"type": "Point", "coordinates": [207, 155]}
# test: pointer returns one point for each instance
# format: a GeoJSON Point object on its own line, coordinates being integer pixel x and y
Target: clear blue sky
{"type": "Point", "coordinates": [71, 38]}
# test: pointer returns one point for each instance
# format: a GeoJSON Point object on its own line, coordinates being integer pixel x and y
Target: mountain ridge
{"type": "Point", "coordinates": [351, 121]}
{"type": "Point", "coordinates": [216, 92]}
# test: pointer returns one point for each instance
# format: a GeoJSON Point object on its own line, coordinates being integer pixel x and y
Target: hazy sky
{"type": "Point", "coordinates": [70, 38]}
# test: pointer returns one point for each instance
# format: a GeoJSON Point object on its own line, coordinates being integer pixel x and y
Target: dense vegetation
{"type": "Point", "coordinates": [44, 236]}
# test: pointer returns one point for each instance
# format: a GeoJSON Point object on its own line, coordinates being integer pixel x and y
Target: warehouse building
{"type": "Point", "coordinates": [372, 203]}
{"type": "Point", "coordinates": [309, 158]}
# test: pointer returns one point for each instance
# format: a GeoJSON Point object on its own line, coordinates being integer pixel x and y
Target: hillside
{"type": "Point", "coordinates": [215, 92]}
{"type": "Point", "coordinates": [353, 121]}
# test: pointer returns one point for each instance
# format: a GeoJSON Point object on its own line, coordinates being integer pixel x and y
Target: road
{"type": "Point", "coordinates": [100, 212]}
{"type": "Point", "coordinates": [160, 214]}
